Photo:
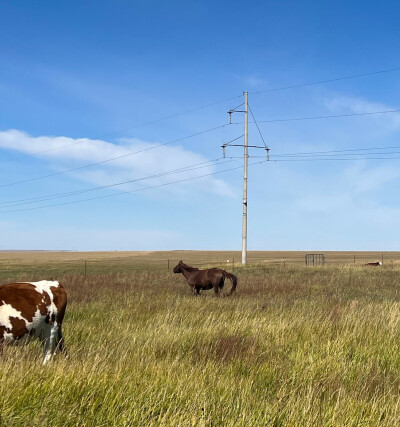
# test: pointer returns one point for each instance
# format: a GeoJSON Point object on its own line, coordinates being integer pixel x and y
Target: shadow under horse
{"type": "Point", "coordinates": [202, 280]}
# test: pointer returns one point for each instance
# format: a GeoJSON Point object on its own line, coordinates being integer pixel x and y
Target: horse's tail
{"type": "Point", "coordinates": [233, 279]}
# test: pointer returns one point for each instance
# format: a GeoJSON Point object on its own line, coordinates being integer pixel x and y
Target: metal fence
{"type": "Point", "coordinates": [165, 261]}
{"type": "Point", "coordinates": [314, 259]}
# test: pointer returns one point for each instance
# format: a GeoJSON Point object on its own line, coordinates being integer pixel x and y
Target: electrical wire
{"type": "Point", "coordinates": [132, 191]}
{"type": "Point", "coordinates": [333, 159]}
{"type": "Point", "coordinates": [333, 116]}
{"type": "Point", "coordinates": [12, 203]}
{"type": "Point", "coordinates": [335, 154]}
{"type": "Point", "coordinates": [208, 130]}
{"type": "Point", "coordinates": [392, 147]}
{"type": "Point", "coordinates": [317, 159]}
{"type": "Point", "coordinates": [210, 105]}
{"type": "Point", "coordinates": [330, 116]}
{"type": "Point", "coordinates": [81, 140]}
{"type": "Point", "coordinates": [326, 81]}
{"type": "Point", "coordinates": [111, 159]}
{"type": "Point", "coordinates": [349, 152]}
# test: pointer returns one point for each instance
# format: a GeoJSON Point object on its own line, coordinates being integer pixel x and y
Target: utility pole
{"type": "Point", "coordinates": [246, 158]}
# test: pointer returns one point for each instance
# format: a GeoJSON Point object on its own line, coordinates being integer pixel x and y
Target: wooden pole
{"type": "Point", "coordinates": [246, 158]}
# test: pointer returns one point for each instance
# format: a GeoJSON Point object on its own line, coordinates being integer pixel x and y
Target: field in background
{"type": "Point", "coordinates": [295, 346]}
{"type": "Point", "coordinates": [42, 263]}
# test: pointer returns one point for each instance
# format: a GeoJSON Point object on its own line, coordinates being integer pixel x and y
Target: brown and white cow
{"type": "Point", "coordinates": [33, 310]}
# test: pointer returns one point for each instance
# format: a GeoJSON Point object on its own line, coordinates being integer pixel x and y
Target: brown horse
{"type": "Point", "coordinates": [205, 279]}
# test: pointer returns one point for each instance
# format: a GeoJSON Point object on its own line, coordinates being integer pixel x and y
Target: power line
{"type": "Point", "coordinates": [333, 159]}
{"type": "Point", "coordinates": [317, 159]}
{"type": "Point", "coordinates": [132, 191]}
{"type": "Point", "coordinates": [12, 203]}
{"type": "Point", "coordinates": [178, 114]}
{"type": "Point", "coordinates": [81, 140]}
{"type": "Point", "coordinates": [335, 154]}
{"type": "Point", "coordinates": [326, 81]}
{"type": "Point", "coordinates": [349, 152]}
{"type": "Point", "coordinates": [292, 119]}
{"type": "Point", "coordinates": [392, 147]}
{"type": "Point", "coordinates": [111, 159]}
{"type": "Point", "coordinates": [331, 116]}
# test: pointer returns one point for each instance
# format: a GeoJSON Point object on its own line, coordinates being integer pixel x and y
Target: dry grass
{"type": "Point", "coordinates": [294, 346]}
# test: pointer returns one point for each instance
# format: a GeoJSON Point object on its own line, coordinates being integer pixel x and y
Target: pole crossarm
{"type": "Point", "coordinates": [242, 145]}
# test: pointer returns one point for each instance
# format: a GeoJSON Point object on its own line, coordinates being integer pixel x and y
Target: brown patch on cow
{"type": "Point", "coordinates": [23, 297]}
{"type": "Point", "coordinates": [18, 327]}
{"type": "Point", "coordinates": [60, 300]}
{"type": "Point", "coordinates": [44, 304]}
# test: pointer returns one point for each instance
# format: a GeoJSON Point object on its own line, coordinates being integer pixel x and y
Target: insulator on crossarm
{"type": "Point", "coordinates": [223, 150]}
{"type": "Point", "coordinates": [267, 149]}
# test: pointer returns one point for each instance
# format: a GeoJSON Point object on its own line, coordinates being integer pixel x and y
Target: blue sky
{"type": "Point", "coordinates": [89, 81]}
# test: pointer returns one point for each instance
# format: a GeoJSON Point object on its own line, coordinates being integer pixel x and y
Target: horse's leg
{"type": "Point", "coordinates": [221, 286]}
{"type": "Point", "coordinates": [218, 286]}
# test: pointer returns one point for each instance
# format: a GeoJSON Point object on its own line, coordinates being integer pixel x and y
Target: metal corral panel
{"type": "Point", "coordinates": [315, 259]}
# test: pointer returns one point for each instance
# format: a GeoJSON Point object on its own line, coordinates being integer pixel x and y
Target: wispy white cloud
{"type": "Point", "coordinates": [362, 178]}
{"type": "Point", "coordinates": [352, 195]}
{"type": "Point", "coordinates": [67, 153]}
{"type": "Point", "coordinates": [345, 104]}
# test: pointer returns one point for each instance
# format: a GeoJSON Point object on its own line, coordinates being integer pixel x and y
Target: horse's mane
{"type": "Point", "coordinates": [187, 267]}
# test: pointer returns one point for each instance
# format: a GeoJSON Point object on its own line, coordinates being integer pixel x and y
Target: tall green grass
{"type": "Point", "coordinates": [293, 347]}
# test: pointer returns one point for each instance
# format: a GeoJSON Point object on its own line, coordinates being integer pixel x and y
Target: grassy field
{"type": "Point", "coordinates": [295, 346]}
{"type": "Point", "coordinates": [48, 264]}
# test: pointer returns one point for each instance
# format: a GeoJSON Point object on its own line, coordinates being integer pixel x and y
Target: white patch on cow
{"type": "Point", "coordinates": [38, 324]}
{"type": "Point", "coordinates": [6, 312]}
{"type": "Point", "coordinates": [44, 286]}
